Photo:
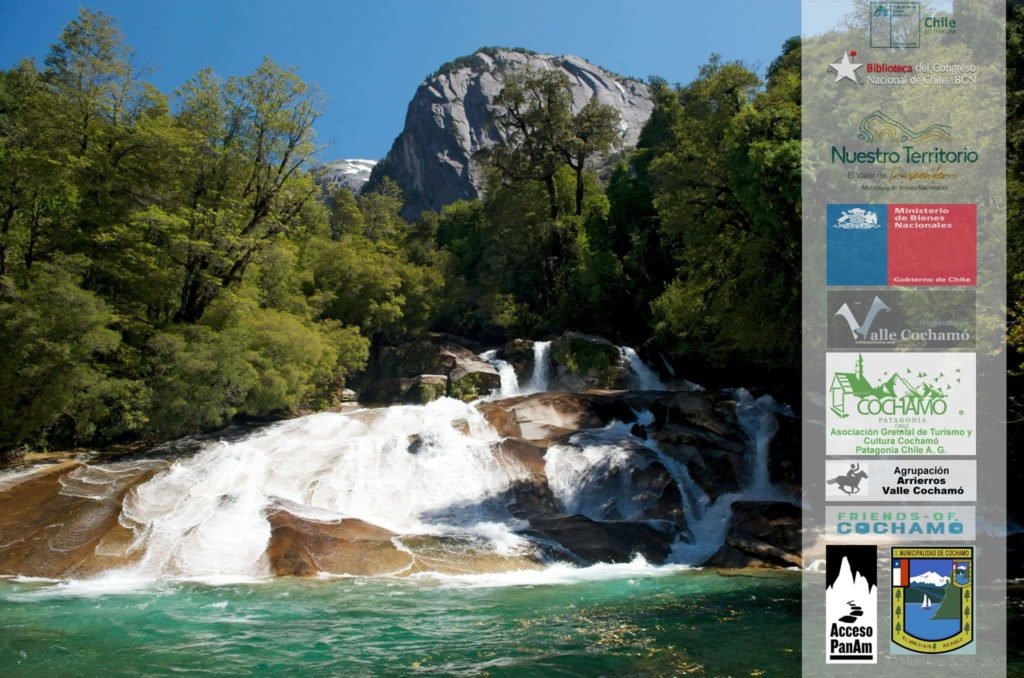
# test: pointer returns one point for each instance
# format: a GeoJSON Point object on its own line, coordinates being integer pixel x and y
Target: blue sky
{"type": "Point", "coordinates": [368, 56]}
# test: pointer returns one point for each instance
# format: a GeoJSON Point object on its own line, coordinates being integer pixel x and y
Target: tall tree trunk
{"type": "Point", "coordinates": [549, 184]}
{"type": "Point", "coordinates": [579, 189]}
{"type": "Point", "coordinates": [196, 293]}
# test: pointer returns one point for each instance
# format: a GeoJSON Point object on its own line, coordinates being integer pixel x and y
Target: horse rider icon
{"type": "Point", "coordinates": [850, 482]}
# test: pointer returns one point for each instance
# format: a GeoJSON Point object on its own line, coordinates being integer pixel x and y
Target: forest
{"type": "Point", "coordinates": [169, 262]}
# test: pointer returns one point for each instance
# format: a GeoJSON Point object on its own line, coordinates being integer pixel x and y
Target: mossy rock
{"type": "Point", "coordinates": [467, 388]}
{"type": "Point", "coordinates": [582, 354]}
{"type": "Point", "coordinates": [424, 388]}
{"type": "Point", "coordinates": [518, 351]}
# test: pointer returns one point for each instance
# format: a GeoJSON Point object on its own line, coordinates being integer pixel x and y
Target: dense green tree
{"type": "Point", "coordinates": [541, 134]}
{"type": "Point", "coordinates": [533, 114]}
{"type": "Point", "coordinates": [725, 166]}
{"type": "Point", "coordinates": [36, 190]}
{"type": "Point", "coordinates": [380, 209]}
{"type": "Point", "coordinates": [155, 270]}
{"type": "Point", "coordinates": [593, 131]}
{"type": "Point", "coordinates": [246, 185]}
{"type": "Point", "coordinates": [58, 382]}
{"type": "Point", "coordinates": [346, 218]}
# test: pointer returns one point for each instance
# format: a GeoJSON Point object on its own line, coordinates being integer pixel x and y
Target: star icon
{"type": "Point", "coordinates": [846, 68]}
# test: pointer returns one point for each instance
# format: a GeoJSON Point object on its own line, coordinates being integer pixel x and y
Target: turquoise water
{"type": "Point", "coordinates": [691, 623]}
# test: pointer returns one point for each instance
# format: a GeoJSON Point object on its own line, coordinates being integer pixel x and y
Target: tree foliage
{"type": "Point", "coordinates": [166, 263]}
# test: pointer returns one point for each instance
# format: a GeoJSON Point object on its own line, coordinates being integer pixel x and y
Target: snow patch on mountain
{"type": "Point", "coordinates": [933, 578]}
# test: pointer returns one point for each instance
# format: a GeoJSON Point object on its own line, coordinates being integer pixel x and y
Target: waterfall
{"type": "Point", "coordinates": [757, 419]}
{"type": "Point", "coordinates": [642, 377]}
{"type": "Point", "coordinates": [540, 381]}
{"type": "Point", "coordinates": [430, 482]}
{"type": "Point", "coordinates": [409, 469]}
{"type": "Point", "coordinates": [509, 381]}
{"type": "Point", "coordinates": [592, 475]}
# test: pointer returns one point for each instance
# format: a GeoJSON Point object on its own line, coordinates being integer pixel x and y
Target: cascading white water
{"type": "Point", "coordinates": [412, 470]}
{"type": "Point", "coordinates": [579, 473]}
{"type": "Point", "coordinates": [540, 381]}
{"type": "Point", "coordinates": [509, 381]}
{"type": "Point", "coordinates": [642, 377]}
{"type": "Point", "coordinates": [757, 419]}
{"type": "Point", "coordinates": [591, 475]}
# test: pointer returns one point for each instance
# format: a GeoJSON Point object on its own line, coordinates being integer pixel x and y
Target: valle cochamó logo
{"type": "Point", "coordinates": [900, 393]}
{"type": "Point", "coordinates": [906, 318]}
{"type": "Point", "coordinates": [932, 600]}
{"type": "Point", "coordinates": [862, 329]}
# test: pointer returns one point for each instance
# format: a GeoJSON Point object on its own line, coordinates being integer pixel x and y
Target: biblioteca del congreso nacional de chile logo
{"type": "Point", "coordinates": [897, 26]}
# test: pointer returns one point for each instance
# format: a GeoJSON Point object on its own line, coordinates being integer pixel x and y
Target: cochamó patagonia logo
{"type": "Point", "coordinates": [932, 600]}
{"type": "Point", "coordinates": [909, 392]}
{"type": "Point", "coordinates": [901, 403]}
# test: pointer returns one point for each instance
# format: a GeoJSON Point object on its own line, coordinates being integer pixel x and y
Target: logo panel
{"type": "Point", "coordinates": [857, 245]}
{"type": "Point", "coordinates": [851, 604]}
{"type": "Point", "coordinates": [933, 244]}
{"type": "Point", "coordinates": [900, 404]}
{"type": "Point", "coordinates": [905, 318]}
{"type": "Point", "coordinates": [924, 480]}
{"type": "Point", "coordinates": [895, 24]}
{"type": "Point", "coordinates": [932, 600]}
{"type": "Point", "coordinates": [874, 523]}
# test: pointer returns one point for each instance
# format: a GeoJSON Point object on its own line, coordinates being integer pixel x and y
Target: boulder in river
{"type": "Point", "coordinates": [761, 534]}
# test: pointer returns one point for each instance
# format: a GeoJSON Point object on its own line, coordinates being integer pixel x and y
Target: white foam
{"type": "Point", "coordinates": [509, 380]}
{"type": "Point", "coordinates": [409, 469]}
{"type": "Point", "coordinates": [557, 574]}
{"type": "Point", "coordinates": [540, 380]}
{"type": "Point", "coordinates": [642, 377]}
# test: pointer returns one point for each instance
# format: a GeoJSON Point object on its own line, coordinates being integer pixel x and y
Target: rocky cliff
{"type": "Point", "coordinates": [448, 121]}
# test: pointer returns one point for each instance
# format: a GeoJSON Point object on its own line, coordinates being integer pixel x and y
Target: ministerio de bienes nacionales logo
{"type": "Point", "coordinates": [932, 600]}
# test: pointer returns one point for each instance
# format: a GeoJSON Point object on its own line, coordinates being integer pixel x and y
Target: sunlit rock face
{"type": "Point", "coordinates": [448, 121]}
